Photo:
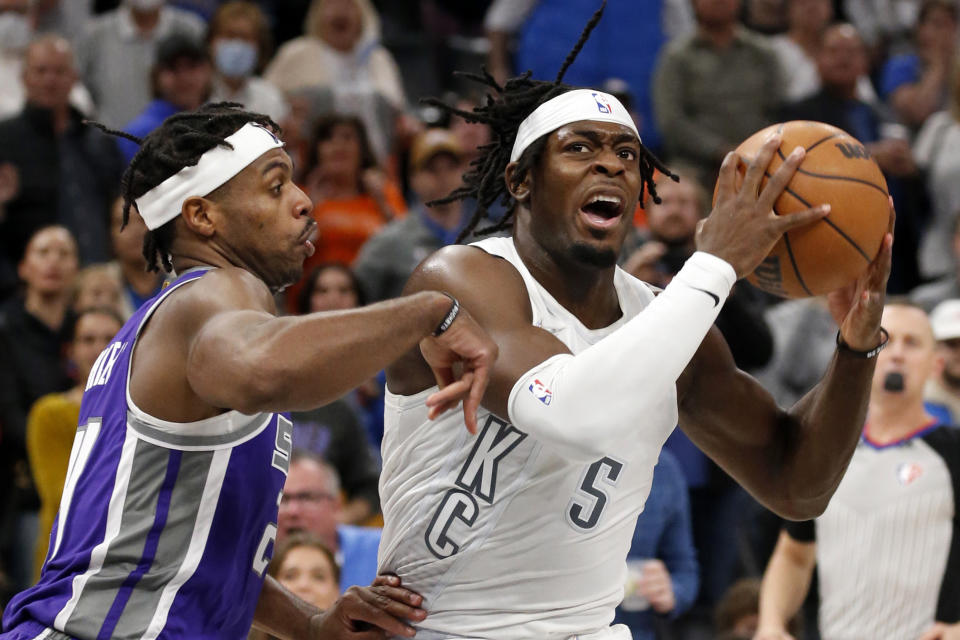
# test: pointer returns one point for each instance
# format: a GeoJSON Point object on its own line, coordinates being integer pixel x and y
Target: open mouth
{"type": "Point", "coordinates": [309, 237]}
{"type": "Point", "coordinates": [603, 210]}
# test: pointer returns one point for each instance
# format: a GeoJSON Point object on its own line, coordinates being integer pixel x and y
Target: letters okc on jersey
{"type": "Point", "coordinates": [478, 477]}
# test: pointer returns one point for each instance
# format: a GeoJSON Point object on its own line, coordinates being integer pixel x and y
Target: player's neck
{"type": "Point", "coordinates": [50, 309]}
{"type": "Point", "coordinates": [892, 419]}
{"type": "Point", "coordinates": [586, 292]}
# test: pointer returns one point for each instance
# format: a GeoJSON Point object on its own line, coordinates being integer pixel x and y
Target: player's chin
{"type": "Point", "coordinates": [601, 255]}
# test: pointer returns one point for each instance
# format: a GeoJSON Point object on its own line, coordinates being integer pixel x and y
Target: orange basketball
{"type": "Point", "coordinates": [837, 170]}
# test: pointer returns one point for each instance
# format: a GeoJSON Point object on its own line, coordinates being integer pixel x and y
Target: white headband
{"type": "Point", "coordinates": [572, 106]}
{"type": "Point", "coordinates": [163, 203]}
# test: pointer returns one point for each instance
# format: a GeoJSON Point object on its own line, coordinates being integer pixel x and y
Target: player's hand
{"type": "Point", "coordinates": [941, 631]}
{"type": "Point", "coordinates": [657, 587]}
{"type": "Point", "coordinates": [742, 228]}
{"type": "Point", "coordinates": [370, 613]}
{"type": "Point", "coordinates": [857, 307]}
{"type": "Point", "coordinates": [461, 359]}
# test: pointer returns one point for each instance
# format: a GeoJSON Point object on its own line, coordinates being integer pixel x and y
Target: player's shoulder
{"type": "Point", "coordinates": [218, 290]}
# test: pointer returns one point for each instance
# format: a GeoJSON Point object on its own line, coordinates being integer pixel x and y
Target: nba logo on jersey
{"type": "Point", "coordinates": [602, 105]}
{"type": "Point", "coordinates": [540, 391]}
{"type": "Point", "coordinates": [908, 472]}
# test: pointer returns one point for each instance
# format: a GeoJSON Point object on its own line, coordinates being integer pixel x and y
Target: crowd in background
{"type": "Point", "coordinates": [344, 79]}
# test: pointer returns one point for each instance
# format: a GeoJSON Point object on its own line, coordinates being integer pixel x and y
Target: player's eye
{"type": "Point", "coordinates": [577, 147]}
{"type": "Point", "coordinates": [277, 188]}
{"type": "Point", "coordinates": [627, 154]}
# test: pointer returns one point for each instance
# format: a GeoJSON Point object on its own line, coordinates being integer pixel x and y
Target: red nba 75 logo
{"type": "Point", "coordinates": [908, 472]}
{"type": "Point", "coordinates": [540, 391]}
{"type": "Point", "coordinates": [602, 105]}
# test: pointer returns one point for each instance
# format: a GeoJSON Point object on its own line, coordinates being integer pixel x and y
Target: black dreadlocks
{"type": "Point", "coordinates": [516, 100]}
{"type": "Point", "coordinates": [177, 143]}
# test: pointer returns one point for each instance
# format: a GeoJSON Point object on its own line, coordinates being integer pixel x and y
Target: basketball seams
{"type": "Point", "coordinates": [825, 176]}
{"type": "Point", "coordinates": [822, 140]}
{"type": "Point", "coordinates": [830, 223]}
{"type": "Point", "coordinates": [793, 262]}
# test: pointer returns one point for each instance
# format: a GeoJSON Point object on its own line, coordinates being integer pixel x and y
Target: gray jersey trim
{"type": "Point", "coordinates": [247, 430]}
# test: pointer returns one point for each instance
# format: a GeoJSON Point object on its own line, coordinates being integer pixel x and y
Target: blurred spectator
{"type": "Point", "coordinates": [138, 284]}
{"type": "Point", "coordinates": [916, 84]}
{"type": "Point", "coordinates": [935, 150]}
{"type": "Point", "coordinates": [240, 45]}
{"type": "Point", "coordinates": [18, 23]}
{"type": "Point", "coordinates": [841, 61]}
{"type": "Point", "coordinates": [65, 170]}
{"type": "Point", "coordinates": [181, 77]}
{"type": "Point", "coordinates": [311, 503]}
{"type": "Point", "coordinates": [714, 88]}
{"type": "Point", "coordinates": [884, 25]}
{"type": "Point", "coordinates": [33, 332]}
{"type": "Point", "coordinates": [736, 615]}
{"type": "Point", "coordinates": [353, 197]}
{"type": "Point", "coordinates": [98, 286]}
{"type": "Point", "coordinates": [52, 421]}
{"type": "Point", "coordinates": [798, 48]}
{"type": "Point", "coordinates": [890, 524]}
{"type": "Point", "coordinates": [340, 53]}
{"type": "Point", "coordinates": [471, 135]}
{"type": "Point", "coordinates": [388, 258]}
{"type": "Point", "coordinates": [662, 567]}
{"type": "Point", "coordinates": [118, 51]}
{"type": "Point", "coordinates": [305, 566]}
{"type": "Point", "coordinates": [545, 30]}
{"type": "Point", "coordinates": [766, 16]}
{"type": "Point", "coordinates": [942, 393]}
{"type": "Point", "coordinates": [334, 431]}
{"type": "Point", "coordinates": [67, 18]}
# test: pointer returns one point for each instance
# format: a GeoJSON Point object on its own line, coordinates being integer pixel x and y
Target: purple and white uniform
{"type": "Point", "coordinates": [165, 529]}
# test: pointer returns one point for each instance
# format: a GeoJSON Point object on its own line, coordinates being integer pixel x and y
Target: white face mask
{"type": "Point", "coordinates": [15, 31]}
{"type": "Point", "coordinates": [235, 58]}
{"type": "Point", "coordinates": [145, 5]}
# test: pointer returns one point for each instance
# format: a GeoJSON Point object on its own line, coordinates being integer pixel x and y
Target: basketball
{"type": "Point", "coordinates": [837, 170]}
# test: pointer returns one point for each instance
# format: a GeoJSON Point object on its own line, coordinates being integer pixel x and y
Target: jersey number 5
{"type": "Point", "coordinates": [588, 502]}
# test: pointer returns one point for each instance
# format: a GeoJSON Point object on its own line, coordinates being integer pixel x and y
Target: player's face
{"type": "Point", "coordinates": [308, 504]}
{"type": "Point", "coordinates": [584, 191]}
{"type": "Point", "coordinates": [49, 265]}
{"type": "Point", "coordinates": [93, 333]}
{"type": "Point", "coordinates": [267, 226]}
{"type": "Point", "coordinates": [911, 352]}
{"type": "Point", "coordinates": [307, 572]}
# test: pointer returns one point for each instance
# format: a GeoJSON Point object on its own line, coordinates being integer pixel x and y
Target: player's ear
{"type": "Point", "coordinates": [520, 190]}
{"type": "Point", "coordinates": [199, 215]}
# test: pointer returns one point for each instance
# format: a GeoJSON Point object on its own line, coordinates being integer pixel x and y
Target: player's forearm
{"type": "Point", "coordinates": [599, 398]}
{"type": "Point", "coordinates": [282, 614]}
{"type": "Point", "coordinates": [299, 363]}
{"type": "Point", "coordinates": [827, 423]}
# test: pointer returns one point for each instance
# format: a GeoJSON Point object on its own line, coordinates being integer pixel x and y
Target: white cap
{"type": "Point", "coordinates": [945, 320]}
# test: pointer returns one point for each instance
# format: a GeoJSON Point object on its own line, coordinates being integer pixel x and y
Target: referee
{"type": "Point", "coordinates": [886, 549]}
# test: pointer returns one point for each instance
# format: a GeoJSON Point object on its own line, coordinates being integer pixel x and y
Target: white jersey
{"type": "Point", "coordinates": [502, 536]}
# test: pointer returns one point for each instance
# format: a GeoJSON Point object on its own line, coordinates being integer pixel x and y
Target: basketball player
{"type": "Point", "coordinates": [521, 531]}
{"type": "Point", "coordinates": [169, 508]}
{"type": "Point", "coordinates": [887, 548]}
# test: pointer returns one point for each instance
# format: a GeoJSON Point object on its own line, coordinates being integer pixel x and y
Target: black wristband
{"type": "Point", "coordinates": [449, 318]}
{"type": "Point", "coordinates": [866, 355]}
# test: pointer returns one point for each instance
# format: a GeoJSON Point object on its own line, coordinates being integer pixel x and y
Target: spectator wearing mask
{"type": "Point", "coordinates": [33, 332]}
{"type": "Point", "coordinates": [18, 24]}
{"type": "Point", "coordinates": [240, 44]}
{"type": "Point", "coordinates": [65, 170]}
{"type": "Point", "coordinates": [181, 79]}
{"type": "Point", "coordinates": [312, 504]}
{"type": "Point", "coordinates": [388, 259]}
{"type": "Point", "coordinates": [120, 47]}
{"type": "Point", "coordinates": [52, 422]}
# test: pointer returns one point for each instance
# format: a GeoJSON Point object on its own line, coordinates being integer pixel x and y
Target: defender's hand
{"type": "Point", "coordinates": [461, 359]}
{"type": "Point", "coordinates": [742, 228]}
{"type": "Point", "coordinates": [370, 613]}
{"type": "Point", "coordinates": [857, 307]}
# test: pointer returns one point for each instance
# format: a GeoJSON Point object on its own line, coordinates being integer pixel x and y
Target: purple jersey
{"type": "Point", "coordinates": [165, 529]}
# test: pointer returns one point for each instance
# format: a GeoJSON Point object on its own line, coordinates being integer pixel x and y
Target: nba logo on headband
{"type": "Point", "coordinates": [602, 105]}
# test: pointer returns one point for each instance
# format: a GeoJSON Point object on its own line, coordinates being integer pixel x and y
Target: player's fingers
{"type": "Point", "coordinates": [780, 179]}
{"type": "Point", "coordinates": [893, 215]}
{"type": "Point", "coordinates": [727, 180]}
{"type": "Point", "coordinates": [478, 387]}
{"type": "Point", "coordinates": [443, 376]}
{"type": "Point", "coordinates": [758, 166]}
{"type": "Point", "coordinates": [788, 221]}
{"type": "Point", "coordinates": [404, 603]}
{"type": "Point", "coordinates": [387, 579]}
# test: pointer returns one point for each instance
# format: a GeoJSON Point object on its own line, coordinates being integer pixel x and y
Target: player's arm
{"type": "Point", "coordinates": [785, 585]}
{"type": "Point", "coordinates": [384, 605]}
{"type": "Point", "coordinates": [241, 356]}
